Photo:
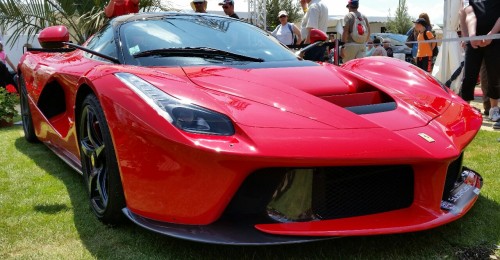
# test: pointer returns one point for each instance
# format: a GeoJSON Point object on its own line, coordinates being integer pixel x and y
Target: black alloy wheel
{"type": "Point", "coordinates": [99, 165]}
{"type": "Point", "coordinates": [28, 128]}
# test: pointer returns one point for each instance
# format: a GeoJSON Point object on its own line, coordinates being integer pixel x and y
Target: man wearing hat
{"type": "Point", "coordinates": [228, 7]}
{"type": "Point", "coordinates": [199, 6]}
{"type": "Point", "coordinates": [353, 49]}
{"type": "Point", "coordinates": [287, 33]}
{"type": "Point", "coordinates": [424, 51]}
{"type": "Point", "coordinates": [316, 17]}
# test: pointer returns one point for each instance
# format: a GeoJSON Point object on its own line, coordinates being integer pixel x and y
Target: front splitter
{"type": "Point", "coordinates": [220, 232]}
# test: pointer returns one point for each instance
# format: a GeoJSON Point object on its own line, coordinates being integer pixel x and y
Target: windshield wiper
{"type": "Point", "coordinates": [203, 52]}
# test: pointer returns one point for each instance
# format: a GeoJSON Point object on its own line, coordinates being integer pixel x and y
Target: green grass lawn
{"type": "Point", "coordinates": [44, 214]}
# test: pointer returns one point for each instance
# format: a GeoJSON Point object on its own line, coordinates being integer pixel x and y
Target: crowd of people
{"type": "Point", "coordinates": [478, 17]}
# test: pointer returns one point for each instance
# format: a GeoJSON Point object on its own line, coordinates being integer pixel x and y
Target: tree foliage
{"type": "Point", "coordinates": [83, 18]}
{"type": "Point", "coordinates": [402, 21]}
{"type": "Point", "coordinates": [273, 7]}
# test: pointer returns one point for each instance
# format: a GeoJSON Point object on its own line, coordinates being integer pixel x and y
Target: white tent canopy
{"type": "Point", "coordinates": [337, 22]}
{"type": "Point", "coordinates": [451, 53]}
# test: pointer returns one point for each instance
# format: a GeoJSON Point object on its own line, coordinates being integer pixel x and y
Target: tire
{"type": "Point", "coordinates": [28, 128]}
{"type": "Point", "coordinates": [99, 165]}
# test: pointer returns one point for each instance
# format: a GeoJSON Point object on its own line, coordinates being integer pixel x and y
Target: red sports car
{"type": "Point", "coordinates": [206, 128]}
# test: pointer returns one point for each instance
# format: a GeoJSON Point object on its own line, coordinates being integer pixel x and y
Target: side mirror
{"type": "Point", "coordinates": [317, 36]}
{"type": "Point", "coordinates": [53, 37]}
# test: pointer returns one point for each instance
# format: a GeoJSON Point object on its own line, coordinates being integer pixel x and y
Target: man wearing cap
{"type": "Point", "coordinates": [316, 17]}
{"type": "Point", "coordinates": [352, 49]}
{"type": "Point", "coordinates": [287, 33]}
{"type": "Point", "coordinates": [121, 7]}
{"type": "Point", "coordinates": [424, 51]}
{"type": "Point", "coordinates": [228, 7]}
{"type": "Point", "coordinates": [199, 6]}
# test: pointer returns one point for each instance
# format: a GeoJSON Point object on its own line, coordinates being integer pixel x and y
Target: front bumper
{"type": "Point", "coordinates": [264, 230]}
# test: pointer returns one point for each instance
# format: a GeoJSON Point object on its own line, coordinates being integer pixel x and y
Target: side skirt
{"type": "Point", "coordinates": [61, 154]}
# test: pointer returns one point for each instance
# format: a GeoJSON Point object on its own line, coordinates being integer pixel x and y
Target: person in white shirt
{"type": "Point", "coordinates": [285, 32]}
{"type": "Point", "coordinates": [316, 17]}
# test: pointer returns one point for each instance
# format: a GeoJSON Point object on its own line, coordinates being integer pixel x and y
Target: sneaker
{"type": "Point", "coordinates": [494, 114]}
{"type": "Point", "coordinates": [497, 126]}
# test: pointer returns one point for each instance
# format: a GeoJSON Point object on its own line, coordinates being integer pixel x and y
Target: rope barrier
{"type": "Point", "coordinates": [462, 39]}
{"type": "Point", "coordinates": [459, 39]}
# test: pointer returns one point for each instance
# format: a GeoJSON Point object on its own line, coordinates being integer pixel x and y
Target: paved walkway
{"type": "Point", "coordinates": [487, 124]}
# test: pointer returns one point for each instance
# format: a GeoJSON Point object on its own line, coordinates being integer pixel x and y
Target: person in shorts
{"type": "Point", "coordinates": [353, 49]}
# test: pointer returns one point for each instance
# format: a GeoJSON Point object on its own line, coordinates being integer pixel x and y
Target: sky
{"type": "Point", "coordinates": [434, 8]}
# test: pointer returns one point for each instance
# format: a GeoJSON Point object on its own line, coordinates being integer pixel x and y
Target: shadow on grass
{"type": "Point", "coordinates": [51, 209]}
{"type": "Point", "coordinates": [475, 234]}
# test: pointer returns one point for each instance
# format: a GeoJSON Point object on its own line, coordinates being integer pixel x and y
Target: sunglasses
{"type": "Point", "coordinates": [283, 16]}
{"type": "Point", "coordinates": [225, 6]}
{"type": "Point", "coordinates": [198, 3]}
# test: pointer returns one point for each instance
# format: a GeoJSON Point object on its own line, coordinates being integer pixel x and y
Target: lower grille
{"type": "Point", "coordinates": [340, 192]}
{"type": "Point", "coordinates": [452, 175]}
{"type": "Point", "coordinates": [307, 194]}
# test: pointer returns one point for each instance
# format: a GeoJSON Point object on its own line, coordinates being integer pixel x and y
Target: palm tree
{"type": "Point", "coordinates": [82, 19]}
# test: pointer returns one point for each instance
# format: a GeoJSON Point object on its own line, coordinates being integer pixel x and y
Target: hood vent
{"type": "Point", "coordinates": [365, 100]}
{"type": "Point", "coordinates": [371, 109]}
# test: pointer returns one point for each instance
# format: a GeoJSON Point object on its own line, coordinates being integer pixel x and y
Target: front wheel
{"type": "Point", "coordinates": [99, 165]}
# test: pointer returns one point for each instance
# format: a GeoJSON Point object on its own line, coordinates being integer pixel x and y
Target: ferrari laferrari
{"type": "Point", "coordinates": [206, 128]}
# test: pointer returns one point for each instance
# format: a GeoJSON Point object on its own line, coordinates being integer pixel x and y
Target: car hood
{"type": "Point", "coordinates": [294, 97]}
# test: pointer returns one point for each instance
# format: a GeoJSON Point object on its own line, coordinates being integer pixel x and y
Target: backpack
{"type": "Point", "coordinates": [293, 34]}
{"type": "Point", "coordinates": [359, 29]}
{"type": "Point", "coordinates": [435, 51]}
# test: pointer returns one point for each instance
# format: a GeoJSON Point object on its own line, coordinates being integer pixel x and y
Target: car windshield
{"type": "Point", "coordinates": [193, 40]}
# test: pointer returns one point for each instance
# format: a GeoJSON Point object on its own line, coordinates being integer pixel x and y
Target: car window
{"type": "Point", "coordinates": [103, 42]}
{"type": "Point", "coordinates": [194, 32]}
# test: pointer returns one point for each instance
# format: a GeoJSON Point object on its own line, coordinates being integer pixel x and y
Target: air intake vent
{"type": "Point", "coordinates": [340, 192]}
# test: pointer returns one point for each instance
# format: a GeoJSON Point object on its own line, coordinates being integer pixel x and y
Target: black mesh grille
{"type": "Point", "coordinates": [340, 192]}
{"type": "Point", "coordinates": [454, 171]}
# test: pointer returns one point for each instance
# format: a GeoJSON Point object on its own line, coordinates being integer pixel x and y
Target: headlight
{"type": "Point", "coordinates": [185, 116]}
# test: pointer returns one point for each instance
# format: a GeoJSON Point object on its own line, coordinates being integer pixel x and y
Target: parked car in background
{"type": "Point", "coordinates": [397, 43]}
